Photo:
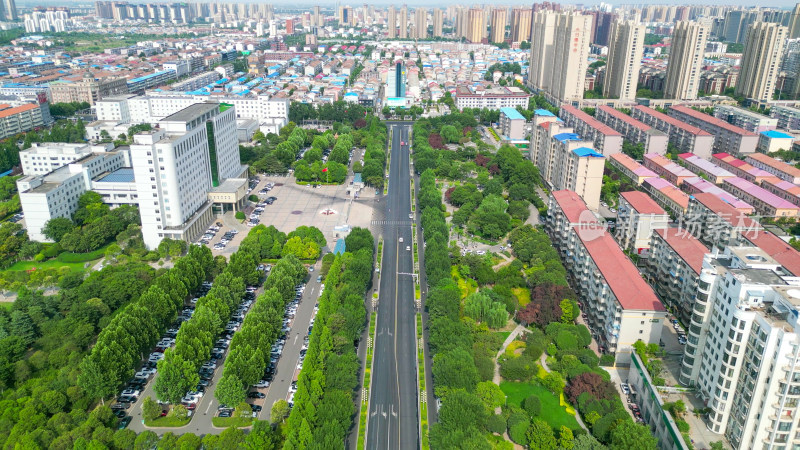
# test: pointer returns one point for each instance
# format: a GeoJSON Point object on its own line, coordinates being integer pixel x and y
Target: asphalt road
{"type": "Point", "coordinates": [393, 421]}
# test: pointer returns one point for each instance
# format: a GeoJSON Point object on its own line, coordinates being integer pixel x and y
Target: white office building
{"type": "Point", "coordinates": [43, 158]}
{"type": "Point", "coordinates": [178, 163]}
{"type": "Point", "coordinates": [271, 113]}
{"type": "Point", "coordinates": [56, 194]}
{"type": "Point", "coordinates": [743, 350]}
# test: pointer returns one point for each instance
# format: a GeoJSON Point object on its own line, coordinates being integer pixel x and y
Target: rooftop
{"type": "Point", "coordinates": [775, 164]}
{"type": "Point", "coordinates": [586, 151]}
{"type": "Point", "coordinates": [624, 280]}
{"type": "Point", "coordinates": [544, 112]}
{"type": "Point", "coordinates": [626, 118]}
{"type": "Point", "coordinates": [689, 248]}
{"type": "Point", "coordinates": [589, 120]}
{"type": "Point", "coordinates": [123, 175]}
{"type": "Point", "coordinates": [191, 112]}
{"type": "Point", "coordinates": [760, 193]}
{"type": "Point", "coordinates": [17, 110]}
{"type": "Point", "coordinates": [704, 186]}
{"type": "Point", "coordinates": [563, 137]}
{"type": "Point", "coordinates": [573, 207]}
{"type": "Point", "coordinates": [511, 113]}
{"type": "Point", "coordinates": [777, 248]}
{"type": "Point", "coordinates": [775, 134]}
{"type": "Point", "coordinates": [711, 120]}
{"type": "Point", "coordinates": [642, 202]}
{"type": "Point", "coordinates": [726, 211]}
{"type": "Point", "coordinates": [672, 121]}
{"type": "Point", "coordinates": [705, 165]}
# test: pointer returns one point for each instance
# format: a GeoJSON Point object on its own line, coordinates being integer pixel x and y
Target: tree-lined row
{"type": "Point", "coordinates": [374, 136]}
{"type": "Point", "coordinates": [323, 404]}
{"type": "Point", "coordinates": [178, 371]}
{"type": "Point", "coordinates": [250, 347]}
{"type": "Point", "coordinates": [132, 333]}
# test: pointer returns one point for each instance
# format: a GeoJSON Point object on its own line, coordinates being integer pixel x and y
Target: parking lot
{"type": "Point", "coordinates": [200, 402]}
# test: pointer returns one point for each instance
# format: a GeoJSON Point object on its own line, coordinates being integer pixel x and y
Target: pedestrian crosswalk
{"type": "Point", "coordinates": [398, 223]}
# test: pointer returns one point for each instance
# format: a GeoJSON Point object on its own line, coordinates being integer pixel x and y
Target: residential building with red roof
{"type": "Point", "coordinates": [666, 168]}
{"type": "Point", "coordinates": [686, 137]}
{"type": "Point", "coordinates": [630, 168]}
{"type": "Point", "coordinates": [775, 247]}
{"type": "Point", "coordinates": [619, 304]}
{"type": "Point", "coordinates": [637, 216]}
{"type": "Point", "coordinates": [653, 140]}
{"type": "Point", "coordinates": [780, 169]}
{"type": "Point", "coordinates": [674, 264]}
{"type": "Point", "coordinates": [715, 222]}
{"type": "Point", "coordinates": [783, 189]}
{"type": "Point", "coordinates": [20, 119]}
{"type": "Point", "coordinates": [765, 202]}
{"type": "Point", "coordinates": [667, 195]}
{"type": "Point", "coordinates": [740, 168]}
{"type": "Point", "coordinates": [704, 167]}
{"type": "Point", "coordinates": [605, 139]}
{"type": "Point", "coordinates": [727, 137]}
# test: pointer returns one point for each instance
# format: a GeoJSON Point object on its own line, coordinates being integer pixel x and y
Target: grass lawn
{"type": "Point", "coordinates": [238, 422]}
{"type": "Point", "coordinates": [167, 422]}
{"type": "Point", "coordinates": [50, 264]}
{"type": "Point", "coordinates": [523, 295]}
{"type": "Point", "coordinates": [503, 334]}
{"type": "Point", "coordinates": [552, 411]}
{"type": "Point", "coordinates": [6, 305]}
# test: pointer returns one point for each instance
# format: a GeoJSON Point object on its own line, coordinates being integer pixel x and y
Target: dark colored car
{"type": "Point", "coordinates": [225, 413]}
{"type": "Point", "coordinates": [255, 395]}
{"type": "Point", "coordinates": [124, 422]}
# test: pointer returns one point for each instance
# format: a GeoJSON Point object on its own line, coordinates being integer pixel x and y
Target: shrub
{"type": "Point", "coordinates": [39, 257]}
{"type": "Point", "coordinates": [240, 215]}
{"type": "Point", "coordinates": [517, 432]}
{"type": "Point", "coordinates": [683, 426]}
{"type": "Point", "coordinates": [532, 405]}
{"type": "Point", "coordinates": [52, 251]}
{"type": "Point", "coordinates": [69, 257]}
{"type": "Point", "coordinates": [496, 424]}
{"type": "Point", "coordinates": [253, 198]}
{"type": "Point", "coordinates": [521, 368]}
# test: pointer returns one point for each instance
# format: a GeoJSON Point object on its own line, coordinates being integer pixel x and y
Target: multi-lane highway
{"type": "Point", "coordinates": [393, 421]}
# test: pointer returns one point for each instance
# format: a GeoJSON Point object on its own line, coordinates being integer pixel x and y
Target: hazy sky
{"type": "Point", "coordinates": [330, 3]}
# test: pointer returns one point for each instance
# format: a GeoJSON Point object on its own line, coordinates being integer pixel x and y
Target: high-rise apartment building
{"type": "Point", "coordinates": [319, 21]}
{"type": "Point", "coordinates": [685, 60]}
{"type": "Point", "coordinates": [521, 24]}
{"type": "Point", "coordinates": [403, 22]}
{"type": "Point", "coordinates": [438, 21]}
{"type": "Point", "coordinates": [624, 60]}
{"type": "Point", "coordinates": [499, 19]}
{"type": "Point", "coordinates": [421, 23]}
{"type": "Point", "coordinates": [559, 52]}
{"type": "Point", "coordinates": [601, 27]}
{"type": "Point", "coordinates": [794, 23]}
{"type": "Point", "coordinates": [761, 60]}
{"type": "Point", "coordinates": [475, 25]}
{"type": "Point", "coordinates": [743, 350]}
{"type": "Point", "coordinates": [391, 23]}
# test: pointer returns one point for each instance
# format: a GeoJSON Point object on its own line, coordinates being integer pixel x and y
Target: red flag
{"type": "Point", "coordinates": [325, 169]}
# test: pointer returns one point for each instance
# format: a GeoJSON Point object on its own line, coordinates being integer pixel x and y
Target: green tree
{"type": "Point", "coordinates": [230, 391]}
{"type": "Point", "coordinates": [175, 377]}
{"type": "Point", "coordinates": [280, 411]}
{"type": "Point", "coordinates": [150, 409]}
{"type": "Point", "coordinates": [491, 394]}
{"type": "Point", "coordinates": [453, 370]}
{"type": "Point", "coordinates": [146, 440]}
{"type": "Point", "coordinates": [532, 405]}
{"type": "Point", "coordinates": [566, 439]}
{"type": "Point", "coordinates": [57, 227]}
{"type": "Point", "coordinates": [630, 435]}
{"type": "Point", "coordinates": [540, 435]}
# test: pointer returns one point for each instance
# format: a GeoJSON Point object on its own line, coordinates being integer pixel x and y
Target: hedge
{"type": "Point", "coordinates": [70, 257]}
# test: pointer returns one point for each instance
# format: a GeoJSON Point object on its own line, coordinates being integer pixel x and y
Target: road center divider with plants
{"type": "Point", "coordinates": [323, 404]}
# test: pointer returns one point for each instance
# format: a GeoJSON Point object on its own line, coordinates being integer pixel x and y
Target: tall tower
{"type": "Point", "coordinates": [521, 24]}
{"type": "Point", "coordinates": [559, 50]}
{"type": "Point", "coordinates": [499, 19]}
{"type": "Point", "coordinates": [10, 9]}
{"type": "Point", "coordinates": [391, 23]}
{"type": "Point", "coordinates": [318, 20]}
{"type": "Point", "coordinates": [438, 20]}
{"type": "Point", "coordinates": [421, 23]}
{"type": "Point", "coordinates": [624, 60]}
{"type": "Point", "coordinates": [685, 60]}
{"type": "Point", "coordinates": [404, 22]}
{"type": "Point", "coordinates": [475, 28]}
{"type": "Point", "coordinates": [794, 23]}
{"type": "Point", "coordinates": [761, 60]}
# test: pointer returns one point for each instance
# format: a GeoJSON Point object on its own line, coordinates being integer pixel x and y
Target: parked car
{"type": "Point", "coordinates": [124, 422]}
{"type": "Point", "coordinates": [255, 395]}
